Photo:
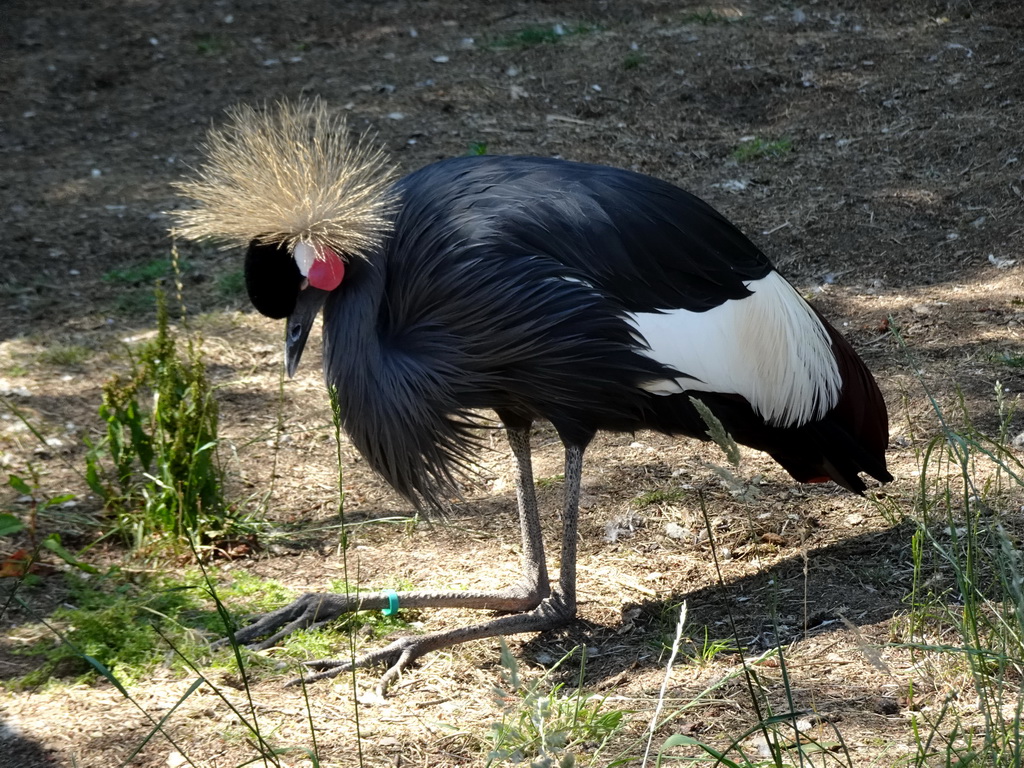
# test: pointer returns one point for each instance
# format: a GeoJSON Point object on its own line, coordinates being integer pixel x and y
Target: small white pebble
{"type": "Point", "coordinates": [675, 531]}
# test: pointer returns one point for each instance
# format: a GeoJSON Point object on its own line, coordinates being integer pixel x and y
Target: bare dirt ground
{"type": "Point", "coordinates": [900, 196]}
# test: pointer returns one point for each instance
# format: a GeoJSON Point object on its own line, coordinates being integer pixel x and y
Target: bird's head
{"type": "Point", "coordinates": [290, 185]}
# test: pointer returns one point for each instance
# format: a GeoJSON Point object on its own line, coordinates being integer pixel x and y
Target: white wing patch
{"type": "Point", "coordinates": [769, 347]}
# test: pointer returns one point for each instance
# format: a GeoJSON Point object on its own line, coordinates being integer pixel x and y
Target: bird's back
{"type": "Point", "coordinates": [644, 241]}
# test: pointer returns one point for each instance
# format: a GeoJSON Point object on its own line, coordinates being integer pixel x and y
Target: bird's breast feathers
{"type": "Point", "coordinates": [769, 347]}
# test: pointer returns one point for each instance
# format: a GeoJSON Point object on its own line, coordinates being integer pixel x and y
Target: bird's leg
{"type": "Point", "coordinates": [535, 572]}
{"type": "Point", "coordinates": [553, 611]}
{"type": "Point", "coordinates": [315, 609]}
{"type": "Point", "coordinates": [566, 591]}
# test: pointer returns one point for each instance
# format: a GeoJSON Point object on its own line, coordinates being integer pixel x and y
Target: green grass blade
{"type": "Point", "coordinates": [159, 725]}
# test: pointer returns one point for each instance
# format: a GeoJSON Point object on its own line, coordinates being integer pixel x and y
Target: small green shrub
{"type": "Point", "coordinates": [231, 285]}
{"type": "Point", "coordinates": [212, 45]}
{"type": "Point", "coordinates": [39, 507]}
{"type": "Point", "coordinates": [550, 482]}
{"type": "Point", "coordinates": [532, 36]}
{"type": "Point", "coordinates": [709, 16]}
{"type": "Point", "coordinates": [757, 149]}
{"type": "Point", "coordinates": [659, 496]}
{"type": "Point", "coordinates": [142, 273]}
{"type": "Point", "coordinates": [65, 355]}
{"type": "Point", "coordinates": [548, 726]}
{"type": "Point", "coordinates": [134, 303]}
{"type": "Point", "coordinates": [633, 60]}
{"type": "Point", "coordinates": [156, 468]}
{"type": "Point", "coordinates": [1010, 359]}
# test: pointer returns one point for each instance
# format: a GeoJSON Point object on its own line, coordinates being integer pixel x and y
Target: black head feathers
{"type": "Point", "coordinates": [272, 278]}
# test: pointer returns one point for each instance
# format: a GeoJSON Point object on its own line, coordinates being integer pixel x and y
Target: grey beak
{"type": "Point", "coordinates": [299, 322]}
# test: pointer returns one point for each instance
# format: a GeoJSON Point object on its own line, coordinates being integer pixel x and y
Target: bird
{"type": "Point", "coordinates": [537, 289]}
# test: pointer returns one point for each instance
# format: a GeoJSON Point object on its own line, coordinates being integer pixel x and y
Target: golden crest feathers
{"type": "Point", "coordinates": [289, 174]}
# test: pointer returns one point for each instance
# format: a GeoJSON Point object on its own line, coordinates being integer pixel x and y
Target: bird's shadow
{"type": "Point", "coordinates": [19, 750]}
{"type": "Point", "coordinates": [858, 581]}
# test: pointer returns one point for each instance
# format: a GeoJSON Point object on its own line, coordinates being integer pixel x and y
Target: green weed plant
{"type": "Point", "coordinates": [156, 468]}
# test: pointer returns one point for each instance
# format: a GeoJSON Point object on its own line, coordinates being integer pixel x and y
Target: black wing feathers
{"type": "Point", "coordinates": [647, 243]}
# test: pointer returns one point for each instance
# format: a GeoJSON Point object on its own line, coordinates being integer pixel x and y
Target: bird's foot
{"type": "Point", "coordinates": [311, 611]}
{"type": "Point", "coordinates": [397, 657]}
{"type": "Point", "coordinates": [552, 613]}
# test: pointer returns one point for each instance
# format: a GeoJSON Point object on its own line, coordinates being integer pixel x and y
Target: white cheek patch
{"type": "Point", "coordinates": [769, 347]}
{"type": "Point", "coordinates": [305, 255]}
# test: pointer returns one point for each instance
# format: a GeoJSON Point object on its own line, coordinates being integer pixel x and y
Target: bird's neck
{"type": "Point", "coordinates": [350, 322]}
{"type": "Point", "coordinates": [408, 431]}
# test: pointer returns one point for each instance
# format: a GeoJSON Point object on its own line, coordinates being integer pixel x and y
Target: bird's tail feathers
{"type": "Point", "coordinates": [848, 440]}
{"type": "Point", "coordinates": [442, 461]}
{"type": "Point", "coordinates": [861, 408]}
{"type": "Point", "coordinates": [851, 439]}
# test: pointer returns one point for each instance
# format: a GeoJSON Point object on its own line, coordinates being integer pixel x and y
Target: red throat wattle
{"type": "Point", "coordinates": [327, 271]}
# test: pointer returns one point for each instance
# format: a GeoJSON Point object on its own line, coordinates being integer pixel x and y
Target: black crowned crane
{"type": "Point", "coordinates": [586, 296]}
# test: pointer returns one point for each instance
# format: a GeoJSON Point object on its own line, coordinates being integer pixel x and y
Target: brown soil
{"type": "Point", "coordinates": [900, 196]}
